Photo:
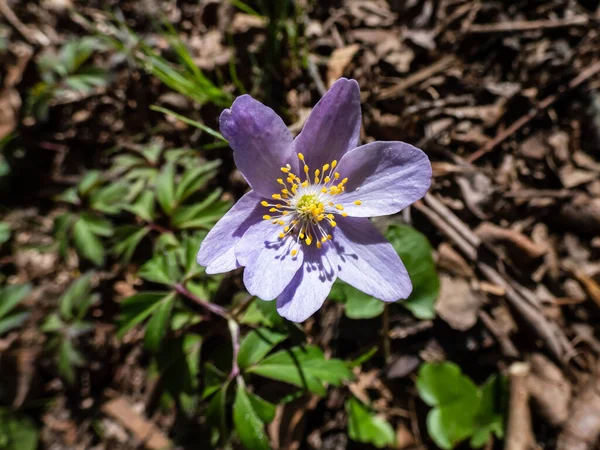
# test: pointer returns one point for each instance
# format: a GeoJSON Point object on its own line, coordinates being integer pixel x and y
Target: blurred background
{"type": "Point", "coordinates": [112, 170]}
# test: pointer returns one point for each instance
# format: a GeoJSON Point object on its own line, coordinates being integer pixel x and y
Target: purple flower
{"type": "Point", "coordinates": [305, 221]}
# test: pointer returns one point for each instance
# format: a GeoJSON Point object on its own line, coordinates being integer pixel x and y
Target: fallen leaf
{"type": "Point", "coordinates": [338, 61]}
{"type": "Point", "coordinates": [457, 304]}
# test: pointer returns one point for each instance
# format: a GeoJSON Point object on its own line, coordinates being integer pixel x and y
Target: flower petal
{"type": "Point", "coordinates": [333, 126]}
{"type": "Point", "coordinates": [310, 287]}
{"type": "Point", "coordinates": [216, 251]}
{"type": "Point", "coordinates": [385, 176]}
{"type": "Point", "coordinates": [269, 265]}
{"type": "Point", "coordinates": [261, 143]}
{"type": "Point", "coordinates": [368, 261]}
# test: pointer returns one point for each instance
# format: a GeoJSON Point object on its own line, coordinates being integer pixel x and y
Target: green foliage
{"type": "Point", "coordinates": [366, 427]}
{"type": "Point", "coordinates": [416, 253]}
{"type": "Point", "coordinates": [10, 297]}
{"type": "Point", "coordinates": [248, 418]}
{"type": "Point", "coordinates": [66, 76]}
{"type": "Point", "coordinates": [65, 326]}
{"type": "Point", "coordinates": [17, 432]}
{"type": "Point", "coordinates": [5, 232]}
{"type": "Point", "coordinates": [305, 367]}
{"type": "Point", "coordinates": [461, 410]}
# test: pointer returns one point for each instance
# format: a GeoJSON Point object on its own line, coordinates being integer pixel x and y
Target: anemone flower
{"type": "Point", "coordinates": [304, 222]}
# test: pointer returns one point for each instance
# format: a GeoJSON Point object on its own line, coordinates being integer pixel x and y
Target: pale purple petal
{"type": "Point", "coordinates": [385, 176]}
{"type": "Point", "coordinates": [261, 143]}
{"type": "Point", "coordinates": [216, 251]}
{"type": "Point", "coordinates": [311, 285]}
{"type": "Point", "coordinates": [269, 265]}
{"type": "Point", "coordinates": [368, 261]}
{"type": "Point", "coordinates": [333, 127]}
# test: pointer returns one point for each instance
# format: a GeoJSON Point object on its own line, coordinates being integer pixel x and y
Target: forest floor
{"type": "Point", "coordinates": [504, 97]}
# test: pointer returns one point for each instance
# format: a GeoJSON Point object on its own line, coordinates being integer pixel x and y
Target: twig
{"type": "Point", "coordinates": [519, 297]}
{"type": "Point", "coordinates": [313, 71]}
{"type": "Point", "coordinates": [421, 75]}
{"type": "Point", "coordinates": [532, 25]}
{"type": "Point", "coordinates": [215, 309]}
{"type": "Point", "coordinates": [518, 428]}
{"type": "Point", "coordinates": [37, 38]}
{"type": "Point", "coordinates": [544, 104]}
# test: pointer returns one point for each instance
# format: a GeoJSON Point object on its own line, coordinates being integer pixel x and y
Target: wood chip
{"type": "Point", "coordinates": [144, 430]}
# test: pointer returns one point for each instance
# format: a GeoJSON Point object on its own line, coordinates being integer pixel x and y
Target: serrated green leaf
{"type": "Point", "coordinates": [305, 367]}
{"type": "Point", "coordinates": [165, 188]}
{"type": "Point", "coordinates": [76, 297]}
{"type": "Point", "coordinates": [127, 239]}
{"type": "Point", "coordinates": [87, 244]}
{"type": "Point", "coordinates": [97, 225]}
{"type": "Point", "coordinates": [201, 214]}
{"type": "Point", "coordinates": [194, 179]}
{"type": "Point", "coordinates": [13, 321]}
{"type": "Point", "coordinates": [157, 326]}
{"type": "Point", "coordinates": [416, 253]}
{"type": "Point", "coordinates": [158, 270]}
{"type": "Point", "coordinates": [144, 206]}
{"type": "Point", "coordinates": [261, 312]}
{"type": "Point", "coordinates": [264, 410]}
{"type": "Point", "coordinates": [366, 427]}
{"type": "Point", "coordinates": [109, 199]}
{"type": "Point", "coordinates": [90, 180]}
{"type": "Point", "coordinates": [357, 304]}
{"type": "Point", "coordinates": [256, 344]}
{"type": "Point", "coordinates": [248, 425]}
{"type": "Point", "coordinates": [137, 308]}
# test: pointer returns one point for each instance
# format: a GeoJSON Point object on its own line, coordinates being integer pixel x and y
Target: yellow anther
{"type": "Point", "coordinates": [304, 183]}
{"type": "Point", "coordinates": [340, 207]}
{"type": "Point", "coordinates": [316, 180]}
{"type": "Point", "coordinates": [344, 181]}
{"type": "Point", "coordinates": [301, 235]}
{"type": "Point", "coordinates": [319, 245]}
{"type": "Point", "coordinates": [333, 164]}
{"type": "Point", "coordinates": [324, 190]}
{"type": "Point", "coordinates": [294, 252]}
{"type": "Point", "coordinates": [330, 237]}
{"type": "Point", "coordinates": [285, 191]}
{"type": "Point", "coordinates": [317, 173]}
{"type": "Point", "coordinates": [344, 214]}
{"type": "Point", "coordinates": [281, 235]}
{"type": "Point", "coordinates": [332, 223]}
{"type": "Point", "coordinates": [308, 240]}
{"type": "Point", "coordinates": [336, 175]}
{"type": "Point", "coordinates": [280, 181]}
{"type": "Point", "coordinates": [266, 217]}
{"type": "Point", "coordinates": [324, 238]}
{"type": "Point", "coordinates": [301, 157]}
{"type": "Point", "coordinates": [325, 167]}
{"type": "Point", "coordinates": [264, 203]}
{"type": "Point", "coordinates": [285, 213]}
{"type": "Point", "coordinates": [274, 222]}
{"type": "Point", "coordinates": [330, 216]}
{"type": "Point", "coordinates": [286, 229]}
{"type": "Point", "coordinates": [327, 179]}
{"type": "Point", "coordinates": [276, 196]}
{"type": "Point", "coordinates": [285, 170]}
{"type": "Point", "coordinates": [273, 210]}
{"type": "Point", "coordinates": [281, 222]}
{"type": "Point", "coordinates": [358, 202]}
{"type": "Point", "coordinates": [306, 169]}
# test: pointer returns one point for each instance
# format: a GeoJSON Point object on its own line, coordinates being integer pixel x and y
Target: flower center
{"type": "Point", "coordinates": [307, 208]}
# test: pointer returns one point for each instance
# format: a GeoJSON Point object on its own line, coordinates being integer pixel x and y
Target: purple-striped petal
{"type": "Point", "coordinates": [261, 143]}
{"type": "Point", "coordinates": [311, 285]}
{"type": "Point", "coordinates": [269, 265]}
{"type": "Point", "coordinates": [217, 249]}
{"type": "Point", "coordinates": [385, 177]}
{"type": "Point", "coordinates": [333, 127]}
{"type": "Point", "coordinates": [368, 261]}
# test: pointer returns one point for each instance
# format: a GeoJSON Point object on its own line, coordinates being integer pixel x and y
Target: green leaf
{"type": "Point", "coordinates": [137, 308]}
{"type": "Point", "coordinates": [157, 326]}
{"type": "Point", "coordinates": [188, 121]}
{"type": "Point", "coordinates": [247, 423]}
{"type": "Point", "coordinates": [165, 188]}
{"type": "Point", "coordinates": [68, 359]}
{"type": "Point", "coordinates": [256, 345]}
{"type": "Point", "coordinates": [144, 206]}
{"type": "Point", "coordinates": [264, 410]}
{"type": "Point", "coordinates": [416, 253]}
{"type": "Point", "coordinates": [162, 268]}
{"type": "Point", "coordinates": [127, 239]}
{"type": "Point", "coordinates": [90, 180]}
{"type": "Point", "coordinates": [305, 367]}
{"type": "Point", "coordinates": [5, 232]}
{"type": "Point", "coordinates": [365, 427]}
{"type": "Point", "coordinates": [97, 225]}
{"type": "Point", "coordinates": [14, 321]}
{"type": "Point", "coordinates": [455, 399]}
{"type": "Point", "coordinates": [75, 296]}
{"type": "Point", "coordinates": [261, 312]}
{"type": "Point", "coordinates": [490, 415]}
{"type": "Point", "coordinates": [357, 304]}
{"type": "Point", "coordinates": [110, 198]}
{"type": "Point", "coordinates": [11, 296]}
{"type": "Point", "coordinates": [202, 215]}
{"type": "Point", "coordinates": [17, 432]}
{"type": "Point", "coordinates": [87, 243]}
{"type": "Point", "coordinates": [194, 179]}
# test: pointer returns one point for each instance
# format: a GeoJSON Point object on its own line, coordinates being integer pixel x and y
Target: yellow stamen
{"type": "Point", "coordinates": [301, 157]}
{"type": "Point", "coordinates": [308, 240]}
{"type": "Point", "coordinates": [276, 196]}
{"type": "Point", "coordinates": [340, 207]}
{"type": "Point", "coordinates": [358, 202]}
{"type": "Point", "coordinates": [294, 252]}
{"type": "Point", "coordinates": [266, 217]}
{"type": "Point", "coordinates": [319, 245]}
{"type": "Point", "coordinates": [264, 203]}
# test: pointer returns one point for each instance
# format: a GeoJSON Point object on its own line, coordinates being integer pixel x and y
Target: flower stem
{"type": "Point", "coordinates": [215, 309]}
